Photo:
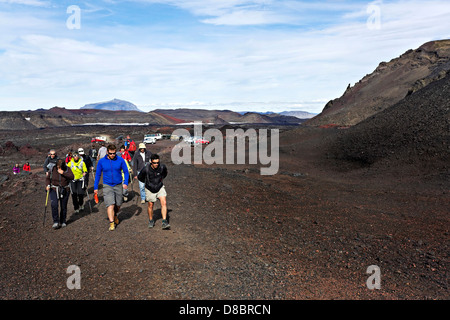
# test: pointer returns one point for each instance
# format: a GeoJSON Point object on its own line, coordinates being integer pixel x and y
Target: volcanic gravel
{"type": "Point", "coordinates": [309, 232]}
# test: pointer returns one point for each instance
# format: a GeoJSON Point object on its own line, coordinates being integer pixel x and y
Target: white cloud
{"type": "Point", "coordinates": [42, 64]}
{"type": "Point", "coordinates": [36, 3]}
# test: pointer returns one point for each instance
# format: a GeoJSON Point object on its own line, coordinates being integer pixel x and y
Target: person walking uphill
{"type": "Point", "coordinates": [112, 166]}
{"type": "Point", "coordinates": [152, 175]}
{"type": "Point", "coordinates": [138, 163]}
{"type": "Point", "coordinates": [58, 182]}
{"type": "Point", "coordinates": [50, 161]}
{"type": "Point", "coordinates": [78, 185]}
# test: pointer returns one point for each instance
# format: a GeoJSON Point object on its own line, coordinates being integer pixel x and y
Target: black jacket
{"type": "Point", "coordinates": [153, 178]}
{"type": "Point", "coordinates": [138, 163]}
{"type": "Point", "coordinates": [49, 161]}
{"type": "Point", "coordinates": [87, 160]}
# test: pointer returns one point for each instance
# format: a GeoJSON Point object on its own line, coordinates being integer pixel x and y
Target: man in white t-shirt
{"type": "Point", "coordinates": [102, 152]}
{"type": "Point", "coordinates": [140, 159]}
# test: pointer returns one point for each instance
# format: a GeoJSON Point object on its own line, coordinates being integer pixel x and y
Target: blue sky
{"type": "Point", "coordinates": [252, 55]}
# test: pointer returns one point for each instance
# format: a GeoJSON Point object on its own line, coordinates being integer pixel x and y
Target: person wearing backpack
{"type": "Point", "coordinates": [57, 183]}
{"type": "Point", "coordinates": [139, 161]}
{"type": "Point", "coordinates": [87, 161]}
{"type": "Point", "coordinates": [130, 146]}
{"type": "Point", "coordinates": [93, 155]}
{"type": "Point", "coordinates": [50, 161]}
{"type": "Point", "coordinates": [152, 176]}
{"type": "Point", "coordinates": [77, 185]}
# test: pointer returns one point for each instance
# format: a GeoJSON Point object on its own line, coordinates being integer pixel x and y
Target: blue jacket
{"type": "Point", "coordinates": [112, 171]}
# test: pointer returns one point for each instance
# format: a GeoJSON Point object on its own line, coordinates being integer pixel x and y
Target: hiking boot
{"type": "Point", "coordinates": [151, 223]}
{"type": "Point", "coordinates": [165, 224]}
{"type": "Point", "coordinates": [142, 201]}
{"type": "Point", "coordinates": [55, 225]}
{"type": "Point", "coordinates": [112, 226]}
{"type": "Point", "coordinates": [116, 220]}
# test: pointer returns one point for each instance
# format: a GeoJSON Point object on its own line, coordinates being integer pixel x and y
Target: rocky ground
{"type": "Point", "coordinates": [309, 232]}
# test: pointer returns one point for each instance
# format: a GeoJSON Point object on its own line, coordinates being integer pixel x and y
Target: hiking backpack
{"type": "Point", "coordinates": [132, 146]}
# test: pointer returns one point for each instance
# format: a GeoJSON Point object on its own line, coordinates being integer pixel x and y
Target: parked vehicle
{"type": "Point", "coordinates": [195, 140]}
{"type": "Point", "coordinates": [201, 141]}
{"type": "Point", "coordinates": [98, 139]}
{"type": "Point", "coordinates": [157, 136]}
{"type": "Point", "coordinates": [149, 140]}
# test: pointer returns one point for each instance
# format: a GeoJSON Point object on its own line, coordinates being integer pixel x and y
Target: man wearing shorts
{"type": "Point", "coordinates": [152, 175]}
{"type": "Point", "coordinates": [112, 167]}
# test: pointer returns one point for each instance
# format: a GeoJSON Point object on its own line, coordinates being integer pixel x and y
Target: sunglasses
{"type": "Point", "coordinates": [157, 162]}
{"type": "Point", "coordinates": [111, 153]}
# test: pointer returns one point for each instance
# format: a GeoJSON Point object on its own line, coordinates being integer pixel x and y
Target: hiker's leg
{"type": "Point", "coordinates": [163, 201]}
{"type": "Point", "coordinates": [54, 205]}
{"type": "Point", "coordinates": [150, 210]}
{"type": "Point", "coordinates": [162, 196]}
{"type": "Point", "coordinates": [110, 211]}
{"type": "Point", "coordinates": [64, 202]}
{"type": "Point", "coordinates": [142, 190]}
{"type": "Point", "coordinates": [81, 199]}
{"type": "Point", "coordinates": [76, 206]}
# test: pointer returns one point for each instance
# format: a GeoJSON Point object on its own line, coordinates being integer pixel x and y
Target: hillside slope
{"type": "Point", "coordinates": [414, 132]}
{"type": "Point", "coordinates": [388, 84]}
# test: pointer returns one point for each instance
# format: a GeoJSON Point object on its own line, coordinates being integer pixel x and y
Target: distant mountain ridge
{"type": "Point", "coordinates": [227, 116]}
{"type": "Point", "coordinates": [112, 105]}
{"type": "Point", "coordinates": [299, 114]}
{"type": "Point", "coordinates": [62, 117]}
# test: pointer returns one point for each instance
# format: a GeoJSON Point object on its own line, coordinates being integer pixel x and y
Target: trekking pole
{"type": "Point", "coordinates": [89, 200]}
{"type": "Point", "coordinates": [46, 205]}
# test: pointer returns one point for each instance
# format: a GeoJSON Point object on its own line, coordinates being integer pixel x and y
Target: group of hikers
{"type": "Point", "coordinates": [70, 176]}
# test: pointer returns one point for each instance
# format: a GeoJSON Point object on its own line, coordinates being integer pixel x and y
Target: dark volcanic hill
{"type": "Point", "coordinates": [61, 117]}
{"type": "Point", "coordinates": [388, 84]}
{"type": "Point", "coordinates": [227, 116]}
{"type": "Point", "coordinates": [414, 132]}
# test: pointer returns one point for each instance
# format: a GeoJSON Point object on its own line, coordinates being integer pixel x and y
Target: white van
{"type": "Point", "coordinates": [149, 140]}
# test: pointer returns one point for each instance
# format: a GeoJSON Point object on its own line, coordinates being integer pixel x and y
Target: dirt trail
{"type": "Point", "coordinates": [234, 235]}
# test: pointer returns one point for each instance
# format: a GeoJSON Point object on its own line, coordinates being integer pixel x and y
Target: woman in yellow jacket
{"type": "Point", "coordinates": [77, 186]}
